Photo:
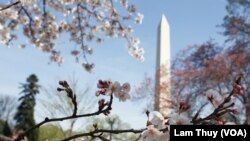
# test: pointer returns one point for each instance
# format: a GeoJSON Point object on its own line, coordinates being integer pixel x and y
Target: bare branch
{"type": "Point", "coordinates": [221, 109]}
{"type": "Point", "coordinates": [10, 5]}
{"type": "Point", "coordinates": [4, 138]}
{"type": "Point", "coordinates": [28, 15]}
{"type": "Point", "coordinates": [47, 120]}
{"type": "Point", "coordinates": [93, 133]}
{"type": "Point", "coordinates": [44, 14]}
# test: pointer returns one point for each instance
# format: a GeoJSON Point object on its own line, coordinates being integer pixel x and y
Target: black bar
{"type": "Point", "coordinates": [210, 132]}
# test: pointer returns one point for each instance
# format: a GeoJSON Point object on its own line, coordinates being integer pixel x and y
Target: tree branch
{"type": "Point", "coordinates": [104, 131]}
{"type": "Point", "coordinates": [28, 15]}
{"type": "Point", "coordinates": [10, 5]}
{"type": "Point", "coordinates": [216, 111]}
{"type": "Point", "coordinates": [47, 120]}
{"type": "Point", "coordinates": [4, 138]}
{"type": "Point", "coordinates": [221, 109]}
{"type": "Point", "coordinates": [44, 14]}
{"type": "Point", "coordinates": [81, 32]}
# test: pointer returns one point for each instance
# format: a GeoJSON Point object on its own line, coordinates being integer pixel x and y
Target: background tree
{"type": "Point", "coordinates": [25, 113]}
{"type": "Point", "coordinates": [8, 108]}
{"type": "Point", "coordinates": [208, 70]}
{"type": "Point", "coordinates": [51, 133]}
{"type": "Point", "coordinates": [212, 77]}
{"type": "Point", "coordinates": [1, 126]}
{"type": "Point", "coordinates": [59, 104]}
{"type": "Point", "coordinates": [145, 92]}
{"type": "Point", "coordinates": [204, 68]}
{"type": "Point", "coordinates": [6, 130]}
{"type": "Point", "coordinates": [237, 30]}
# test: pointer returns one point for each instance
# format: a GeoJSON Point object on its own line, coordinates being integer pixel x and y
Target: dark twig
{"type": "Point", "coordinates": [70, 94]}
{"type": "Point", "coordinates": [216, 111]}
{"type": "Point", "coordinates": [44, 15]}
{"type": "Point", "coordinates": [82, 34]}
{"type": "Point", "coordinates": [10, 5]}
{"type": "Point", "coordinates": [198, 112]}
{"type": "Point", "coordinates": [138, 138]}
{"type": "Point", "coordinates": [30, 18]}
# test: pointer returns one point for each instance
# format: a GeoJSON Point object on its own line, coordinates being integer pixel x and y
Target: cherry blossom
{"type": "Point", "coordinates": [126, 87]}
{"type": "Point", "coordinates": [151, 134]}
{"type": "Point", "coordinates": [115, 88]}
{"type": "Point", "coordinates": [44, 23]}
{"type": "Point", "coordinates": [157, 129]}
{"type": "Point", "coordinates": [164, 137]}
{"type": "Point", "coordinates": [238, 89]}
{"type": "Point", "coordinates": [122, 92]}
{"type": "Point", "coordinates": [179, 119]}
{"type": "Point", "coordinates": [158, 120]}
{"type": "Point", "coordinates": [139, 18]}
{"type": "Point", "coordinates": [27, 1]}
{"type": "Point", "coordinates": [134, 49]}
{"type": "Point", "coordinates": [123, 96]}
{"type": "Point", "coordinates": [230, 123]}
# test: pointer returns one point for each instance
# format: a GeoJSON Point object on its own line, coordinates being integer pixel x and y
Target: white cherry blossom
{"type": "Point", "coordinates": [151, 134]}
{"type": "Point", "coordinates": [126, 87]}
{"type": "Point", "coordinates": [158, 120]}
{"type": "Point", "coordinates": [179, 119]}
{"type": "Point", "coordinates": [158, 128]}
{"type": "Point", "coordinates": [139, 18]}
{"type": "Point", "coordinates": [84, 21]}
{"type": "Point", "coordinates": [123, 96]}
{"type": "Point", "coordinates": [115, 88]}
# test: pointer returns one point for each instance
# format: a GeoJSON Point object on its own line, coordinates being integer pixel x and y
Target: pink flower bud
{"type": "Point", "coordinates": [184, 106]}
{"type": "Point", "coordinates": [100, 84]}
{"type": "Point", "coordinates": [238, 89]}
{"type": "Point", "coordinates": [63, 83]}
{"type": "Point", "coordinates": [103, 84]}
{"type": "Point", "coordinates": [60, 89]}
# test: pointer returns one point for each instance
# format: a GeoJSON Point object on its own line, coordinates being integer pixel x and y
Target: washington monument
{"type": "Point", "coordinates": [163, 64]}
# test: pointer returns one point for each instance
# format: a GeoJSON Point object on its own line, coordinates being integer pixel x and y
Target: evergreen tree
{"type": "Point", "coordinates": [6, 129]}
{"type": "Point", "coordinates": [25, 112]}
{"type": "Point", "coordinates": [1, 126]}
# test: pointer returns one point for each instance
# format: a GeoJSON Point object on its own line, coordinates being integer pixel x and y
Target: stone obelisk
{"type": "Point", "coordinates": [163, 64]}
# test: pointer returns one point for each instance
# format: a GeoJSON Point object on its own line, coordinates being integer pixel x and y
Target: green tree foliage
{"type": "Point", "coordinates": [8, 108]}
{"type": "Point", "coordinates": [1, 126]}
{"type": "Point", "coordinates": [51, 133]}
{"type": "Point", "coordinates": [25, 112]}
{"type": "Point", "coordinates": [6, 129]}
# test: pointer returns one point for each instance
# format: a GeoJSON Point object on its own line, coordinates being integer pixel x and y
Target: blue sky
{"type": "Point", "coordinates": [191, 22]}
